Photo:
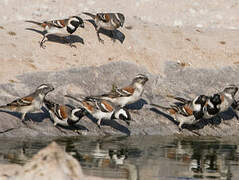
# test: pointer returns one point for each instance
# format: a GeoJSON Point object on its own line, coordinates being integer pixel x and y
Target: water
{"type": "Point", "coordinates": [140, 158]}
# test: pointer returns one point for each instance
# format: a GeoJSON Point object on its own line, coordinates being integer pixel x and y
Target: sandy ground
{"type": "Point", "coordinates": [198, 33]}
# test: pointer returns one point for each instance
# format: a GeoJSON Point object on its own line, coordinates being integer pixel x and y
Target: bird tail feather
{"type": "Point", "coordinates": [34, 22]}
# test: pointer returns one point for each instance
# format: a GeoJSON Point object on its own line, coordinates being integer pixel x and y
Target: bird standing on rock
{"type": "Point", "coordinates": [222, 101]}
{"type": "Point", "coordinates": [187, 112]}
{"type": "Point", "coordinates": [31, 103]}
{"type": "Point", "coordinates": [102, 109]}
{"type": "Point", "coordinates": [128, 94]}
{"type": "Point", "coordinates": [63, 114]}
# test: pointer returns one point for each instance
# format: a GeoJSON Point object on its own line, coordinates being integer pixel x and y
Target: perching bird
{"type": "Point", "coordinates": [128, 94]}
{"type": "Point", "coordinates": [222, 101]}
{"type": "Point", "coordinates": [102, 109]}
{"type": "Point", "coordinates": [31, 103]}
{"type": "Point", "coordinates": [188, 112]}
{"type": "Point", "coordinates": [64, 115]}
{"type": "Point", "coordinates": [66, 26]}
{"type": "Point", "coordinates": [212, 106]}
{"type": "Point", "coordinates": [227, 97]}
{"type": "Point", "coordinates": [217, 103]}
{"type": "Point", "coordinates": [108, 21]}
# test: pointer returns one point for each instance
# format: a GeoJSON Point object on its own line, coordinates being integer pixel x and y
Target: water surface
{"type": "Point", "coordinates": [139, 157]}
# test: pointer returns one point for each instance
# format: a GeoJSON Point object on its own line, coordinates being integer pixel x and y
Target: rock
{"type": "Point", "coordinates": [179, 80]}
{"type": "Point", "coordinates": [50, 163]}
{"type": "Point", "coordinates": [7, 171]}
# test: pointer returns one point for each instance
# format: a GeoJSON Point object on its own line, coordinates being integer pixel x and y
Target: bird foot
{"type": "Point", "coordinates": [98, 126]}
{"type": "Point", "coordinates": [78, 132]}
{"type": "Point", "coordinates": [73, 46]}
{"type": "Point", "coordinates": [101, 40]}
{"type": "Point", "coordinates": [42, 45]}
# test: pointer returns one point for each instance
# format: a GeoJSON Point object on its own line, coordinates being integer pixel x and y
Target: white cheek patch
{"type": "Point", "coordinates": [71, 26]}
{"type": "Point", "coordinates": [197, 107]}
{"type": "Point", "coordinates": [123, 112]}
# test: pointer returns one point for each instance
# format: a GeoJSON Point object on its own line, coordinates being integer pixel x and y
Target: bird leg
{"type": "Point", "coordinates": [99, 123]}
{"type": "Point", "coordinates": [98, 35]}
{"type": "Point", "coordinates": [43, 41]}
{"type": "Point", "coordinates": [23, 116]}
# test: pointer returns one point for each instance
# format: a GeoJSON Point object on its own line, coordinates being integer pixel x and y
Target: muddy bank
{"type": "Point", "coordinates": [178, 80]}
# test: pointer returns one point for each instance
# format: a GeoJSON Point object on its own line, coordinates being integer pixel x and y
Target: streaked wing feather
{"type": "Point", "coordinates": [104, 106]}
{"type": "Point", "coordinates": [26, 101]}
{"type": "Point", "coordinates": [103, 17]}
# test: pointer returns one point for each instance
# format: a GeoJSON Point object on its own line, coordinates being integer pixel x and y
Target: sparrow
{"type": "Point", "coordinates": [128, 94]}
{"type": "Point", "coordinates": [187, 112]}
{"type": "Point", "coordinates": [212, 106]}
{"type": "Point", "coordinates": [220, 102]}
{"type": "Point", "coordinates": [206, 110]}
{"type": "Point", "coordinates": [68, 26]}
{"type": "Point", "coordinates": [102, 109]}
{"type": "Point", "coordinates": [108, 21]}
{"type": "Point", "coordinates": [217, 103]}
{"type": "Point", "coordinates": [227, 97]}
{"type": "Point", "coordinates": [64, 115]}
{"type": "Point", "coordinates": [197, 104]}
{"type": "Point", "coordinates": [30, 103]}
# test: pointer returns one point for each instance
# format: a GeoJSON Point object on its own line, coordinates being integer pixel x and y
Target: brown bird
{"type": "Point", "coordinates": [187, 112]}
{"type": "Point", "coordinates": [30, 103]}
{"type": "Point", "coordinates": [108, 21]}
{"type": "Point", "coordinates": [102, 109]}
{"type": "Point", "coordinates": [68, 25]}
{"type": "Point", "coordinates": [128, 94]}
